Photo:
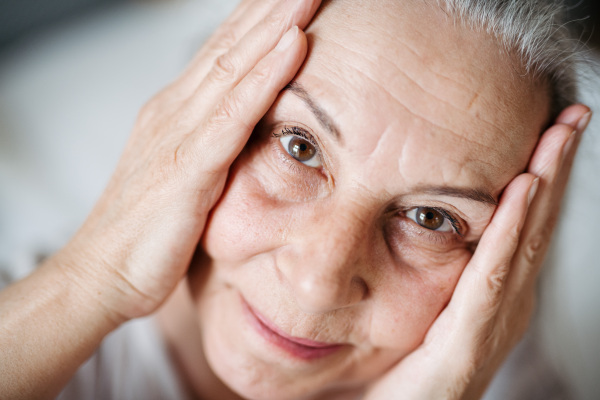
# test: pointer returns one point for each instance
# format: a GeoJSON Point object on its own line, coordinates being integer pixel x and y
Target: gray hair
{"type": "Point", "coordinates": [534, 30]}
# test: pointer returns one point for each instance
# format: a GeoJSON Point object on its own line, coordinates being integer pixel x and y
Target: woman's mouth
{"type": "Point", "coordinates": [298, 347]}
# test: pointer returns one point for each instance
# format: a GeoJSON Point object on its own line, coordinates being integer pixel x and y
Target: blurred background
{"type": "Point", "coordinates": [74, 73]}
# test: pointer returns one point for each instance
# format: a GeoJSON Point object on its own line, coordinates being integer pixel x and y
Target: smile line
{"type": "Point", "coordinates": [299, 347]}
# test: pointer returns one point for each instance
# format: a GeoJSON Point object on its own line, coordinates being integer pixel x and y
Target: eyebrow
{"type": "Point", "coordinates": [324, 119]}
{"type": "Point", "coordinates": [466, 193]}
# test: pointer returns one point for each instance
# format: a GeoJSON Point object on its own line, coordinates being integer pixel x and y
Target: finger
{"type": "Point", "coordinates": [572, 116]}
{"type": "Point", "coordinates": [226, 131]}
{"type": "Point", "coordinates": [480, 288]}
{"type": "Point", "coordinates": [238, 54]}
{"type": "Point", "coordinates": [246, 15]}
{"type": "Point", "coordinates": [551, 161]}
{"type": "Point", "coordinates": [232, 66]}
{"type": "Point", "coordinates": [547, 156]}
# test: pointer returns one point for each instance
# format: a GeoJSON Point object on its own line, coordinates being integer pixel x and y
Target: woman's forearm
{"type": "Point", "coordinates": [50, 323]}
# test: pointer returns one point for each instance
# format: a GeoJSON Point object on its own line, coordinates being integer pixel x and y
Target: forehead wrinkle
{"type": "Point", "coordinates": [426, 65]}
{"type": "Point", "coordinates": [423, 55]}
{"type": "Point", "coordinates": [509, 122]}
{"type": "Point", "coordinates": [498, 134]}
{"type": "Point", "coordinates": [442, 129]}
{"type": "Point", "coordinates": [473, 94]}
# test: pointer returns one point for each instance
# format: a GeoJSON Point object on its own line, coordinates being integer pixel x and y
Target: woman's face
{"type": "Point", "coordinates": [350, 215]}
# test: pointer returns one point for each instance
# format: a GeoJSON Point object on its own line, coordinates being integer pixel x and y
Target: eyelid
{"type": "Point", "coordinates": [296, 130]}
{"type": "Point", "coordinates": [457, 227]}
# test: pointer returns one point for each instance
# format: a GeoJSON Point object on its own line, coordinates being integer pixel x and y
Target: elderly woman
{"type": "Point", "coordinates": [365, 221]}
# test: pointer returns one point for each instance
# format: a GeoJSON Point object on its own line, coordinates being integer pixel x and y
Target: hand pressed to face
{"type": "Point", "coordinates": [142, 234]}
{"type": "Point", "coordinates": [348, 219]}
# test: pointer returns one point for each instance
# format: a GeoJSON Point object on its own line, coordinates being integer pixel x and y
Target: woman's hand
{"type": "Point", "coordinates": [137, 243]}
{"type": "Point", "coordinates": [495, 296]}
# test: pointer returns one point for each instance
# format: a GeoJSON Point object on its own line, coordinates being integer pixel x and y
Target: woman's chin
{"type": "Point", "coordinates": [244, 360]}
{"type": "Point", "coordinates": [245, 357]}
{"type": "Point", "coordinates": [248, 381]}
{"type": "Point", "coordinates": [244, 375]}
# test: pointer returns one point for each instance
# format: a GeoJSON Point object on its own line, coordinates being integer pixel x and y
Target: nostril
{"type": "Point", "coordinates": [361, 287]}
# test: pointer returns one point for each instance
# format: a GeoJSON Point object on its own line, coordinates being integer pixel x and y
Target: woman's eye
{"type": "Point", "coordinates": [430, 218]}
{"type": "Point", "coordinates": [301, 150]}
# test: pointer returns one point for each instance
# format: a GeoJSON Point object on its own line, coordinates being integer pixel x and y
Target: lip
{"type": "Point", "coordinates": [301, 348]}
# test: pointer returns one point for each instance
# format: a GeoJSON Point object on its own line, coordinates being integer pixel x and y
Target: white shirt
{"type": "Point", "coordinates": [131, 364]}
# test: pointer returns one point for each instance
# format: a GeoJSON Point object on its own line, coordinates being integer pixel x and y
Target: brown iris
{"type": "Point", "coordinates": [301, 149]}
{"type": "Point", "coordinates": [429, 218]}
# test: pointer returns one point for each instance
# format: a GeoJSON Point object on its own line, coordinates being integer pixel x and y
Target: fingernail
{"type": "Point", "coordinates": [533, 190]}
{"type": "Point", "coordinates": [569, 144]}
{"type": "Point", "coordinates": [287, 39]}
{"type": "Point", "coordinates": [584, 121]}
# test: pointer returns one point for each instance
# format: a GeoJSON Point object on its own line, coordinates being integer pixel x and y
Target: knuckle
{"type": "Point", "coordinates": [226, 37]}
{"type": "Point", "coordinates": [149, 110]}
{"type": "Point", "coordinates": [497, 277]}
{"type": "Point", "coordinates": [495, 283]}
{"type": "Point", "coordinates": [278, 20]}
{"type": "Point", "coordinates": [533, 249]}
{"type": "Point", "coordinates": [224, 68]}
{"type": "Point", "coordinates": [261, 76]}
{"type": "Point", "coordinates": [513, 233]}
{"type": "Point", "coordinates": [227, 113]}
{"type": "Point", "coordinates": [158, 107]}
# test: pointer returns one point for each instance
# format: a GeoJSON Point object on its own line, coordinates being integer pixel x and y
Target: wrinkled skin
{"type": "Point", "coordinates": [330, 253]}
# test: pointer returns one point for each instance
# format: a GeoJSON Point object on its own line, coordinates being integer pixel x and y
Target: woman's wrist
{"type": "Point", "coordinates": [91, 271]}
{"type": "Point", "coordinates": [50, 323]}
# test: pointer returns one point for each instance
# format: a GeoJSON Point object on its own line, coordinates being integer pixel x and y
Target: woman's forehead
{"type": "Point", "coordinates": [404, 78]}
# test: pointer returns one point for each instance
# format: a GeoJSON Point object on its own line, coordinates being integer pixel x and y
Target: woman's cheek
{"type": "Point", "coordinates": [283, 178]}
{"type": "Point", "coordinates": [254, 211]}
{"type": "Point", "coordinates": [412, 299]}
{"type": "Point", "coordinates": [417, 288]}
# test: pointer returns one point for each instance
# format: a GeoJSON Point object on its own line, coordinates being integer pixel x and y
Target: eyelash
{"type": "Point", "coordinates": [297, 131]}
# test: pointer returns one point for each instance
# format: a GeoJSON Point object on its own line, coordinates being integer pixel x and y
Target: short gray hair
{"type": "Point", "coordinates": [534, 30]}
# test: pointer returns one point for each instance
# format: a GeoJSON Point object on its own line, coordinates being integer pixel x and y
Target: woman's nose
{"type": "Point", "coordinates": [325, 265]}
